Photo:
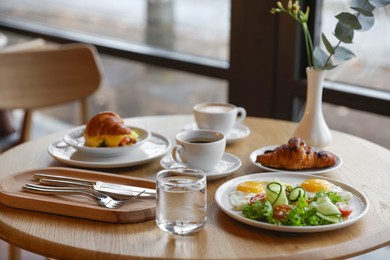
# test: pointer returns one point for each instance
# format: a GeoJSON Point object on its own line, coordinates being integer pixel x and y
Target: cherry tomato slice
{"type": "Point", "coordinates": [258, 197]}
{"type": "Point", "coordinates": [281, 211]}
{"type": "Point", "coordinates": [345, 210]}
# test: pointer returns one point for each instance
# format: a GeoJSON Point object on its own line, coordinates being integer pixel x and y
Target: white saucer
{"type": "Point", "coordinates": [156, 146]}
{"type": "Point", "coordinates": [225, 167]}
{"type": "Point", "coordinates": [238, 132]}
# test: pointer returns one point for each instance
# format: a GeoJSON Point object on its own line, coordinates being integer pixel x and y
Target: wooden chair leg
{"type": "Point", "coordinates": [84, 110]}
{"type": "Point", "coordinates": [26, 126]}
{"type": "Point", "coordinates": [14, 253]}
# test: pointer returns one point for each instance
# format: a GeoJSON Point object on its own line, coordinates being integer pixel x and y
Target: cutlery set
{"type": "Point", "coordinates": [109, 195]}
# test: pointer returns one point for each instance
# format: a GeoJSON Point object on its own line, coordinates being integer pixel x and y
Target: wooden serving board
{"type": "Point", "coordinates": [12, 195]}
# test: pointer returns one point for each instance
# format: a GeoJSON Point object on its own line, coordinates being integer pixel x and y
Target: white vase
{"type": "Point", "coordinates": [312, 128]}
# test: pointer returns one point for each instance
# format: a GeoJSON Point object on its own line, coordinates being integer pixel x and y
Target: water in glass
{"type": "Point", "coordinates": [181, 201]}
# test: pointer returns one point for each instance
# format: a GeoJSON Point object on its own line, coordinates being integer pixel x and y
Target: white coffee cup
{"type": "Point", "coordinates": [220, 117]}
{"type": "Point", "coordinates": [201, 149]}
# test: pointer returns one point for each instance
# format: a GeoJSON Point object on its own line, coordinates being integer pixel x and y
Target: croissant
{"type": "Point", "coordinates": [296, 155]}
{"type": "Point", "coordinates": [107, 129]}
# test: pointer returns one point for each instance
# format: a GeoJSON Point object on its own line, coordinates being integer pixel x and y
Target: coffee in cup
{"type": "Point", "coordinates": [201, 149]}
{"type": "Point", "coordinates": [220, 117]}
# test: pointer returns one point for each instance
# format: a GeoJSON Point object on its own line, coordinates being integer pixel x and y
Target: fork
{"type": "Point", "coordinates": [102, 199]}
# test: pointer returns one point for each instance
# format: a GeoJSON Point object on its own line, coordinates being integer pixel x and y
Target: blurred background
{"type": "Point", "coordinates": [197, 29]}
{"type": "Point", "coordinates": [164, 56]}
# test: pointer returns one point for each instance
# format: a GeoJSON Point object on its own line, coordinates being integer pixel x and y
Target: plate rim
{"type": "Point", "coordinates": [106, 165]}
{"type": "Point", "coordinates": [253, 154]}
{"type": "Point", "coordinates": [297, 229]}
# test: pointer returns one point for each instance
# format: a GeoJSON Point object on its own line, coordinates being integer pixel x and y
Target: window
{"type": "Point", "coordinates": [256, 56]}
{"type": "Point", "coordinates": [371, 68]}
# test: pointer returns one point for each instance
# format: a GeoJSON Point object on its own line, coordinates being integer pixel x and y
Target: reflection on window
{"type": "Point", "coordinates": [135, 89]}
{"type": "Point", "coordinates": [371, 68]}
{"type": "Point", "coordinates": [198, 27]}
{"type": "Point", "coordinates": [348, 120]}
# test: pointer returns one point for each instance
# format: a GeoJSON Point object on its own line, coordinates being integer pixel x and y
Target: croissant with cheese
{"type": "Point", "coordinates": [107, 129]}
{"type": "Point", "coordinates": [296, 155]}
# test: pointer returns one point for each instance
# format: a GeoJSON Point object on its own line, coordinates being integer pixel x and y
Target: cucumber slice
{"type": "Point", "coordinates": [276, 195]}
{"type": "Point", "coordinates": [296, 193]}
{"type": "Point", "coordinates": [332, 219]}
{"type": "Point", "coordinates": [325, 206]}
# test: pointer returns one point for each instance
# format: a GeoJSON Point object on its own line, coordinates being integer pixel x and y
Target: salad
{"type": "Point", "coordinates": [311, 203]}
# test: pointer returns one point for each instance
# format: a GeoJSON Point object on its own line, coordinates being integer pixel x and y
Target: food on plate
{"type": "Point", "coordinates": [296, 155]}
{"type": "Point", "coordinates": [310, 203]}
{"type": "Point", "coordinates": [107, 129]}
{"type": "Point", "coordinates": [251, 186]}
{"type": "Point", "coordinates": [244, 192]}
{"type": "Point", "coordinates": [315, 185]}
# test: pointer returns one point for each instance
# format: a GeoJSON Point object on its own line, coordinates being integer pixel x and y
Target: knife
{"type": "Point", "coordinates": [97, 185]}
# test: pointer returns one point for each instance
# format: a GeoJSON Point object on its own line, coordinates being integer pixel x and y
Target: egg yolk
{"type": "Point", "coordinates": [315, 185]}
{"type": "Point", "coordinates": [250, 187]}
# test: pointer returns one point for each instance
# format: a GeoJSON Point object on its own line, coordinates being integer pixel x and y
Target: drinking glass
{"type": "Point", "coordinates": [181, 200]}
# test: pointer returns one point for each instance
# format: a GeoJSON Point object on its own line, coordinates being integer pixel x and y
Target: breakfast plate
{"type": "Point", "coordinates": [358, 202]}
{"type": "Point", "coordinates": [75, 138]}
{"type": "Point", "coordinates": [254, 154]}
{"type": "Point", "coordinates": [238, 132]}
{"type": "Point", "coordinates": [225, 167]}
{"type": "Point", "coordinates": [156, 146]}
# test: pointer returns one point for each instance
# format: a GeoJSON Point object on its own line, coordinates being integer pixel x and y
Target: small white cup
{"type": "Point", "coordinates": [220, 117]}
{"type": "Point", "coordinates": [200, 149]}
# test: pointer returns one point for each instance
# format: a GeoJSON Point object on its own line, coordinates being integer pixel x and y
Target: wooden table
{"type": "Point", "coordinates": [366, 166]}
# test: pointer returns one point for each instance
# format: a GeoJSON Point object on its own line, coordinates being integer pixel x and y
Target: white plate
{"type": "Point", "coordinates": [359, 201]}
{"type": "Point", "coordinates": [225, 167]}
{"type": "Point", "coordinates": [254, 154]}
{"type": "Point", "coordinates": [75, 138]}
{"type": "Point", "coordinates": [156, 146]}
{"type": "Point", "coordinates": [238, 132]}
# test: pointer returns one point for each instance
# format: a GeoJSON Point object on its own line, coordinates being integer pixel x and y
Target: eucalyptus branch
{"type": "Point", "coordinates": [362, 20]}
{"type": "Point", "coordinates": [331, 55]}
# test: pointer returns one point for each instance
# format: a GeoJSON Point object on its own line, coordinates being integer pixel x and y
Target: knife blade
{"type": "Point", "coordinates": [98, 185]}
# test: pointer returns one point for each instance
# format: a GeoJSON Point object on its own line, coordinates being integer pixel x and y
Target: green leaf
{"type": "Point", "coordinates": [349, 20]}
{"type": "Point", "coordinates": [362, 11]}
{"type": "Point", "coordinates": [366, 22]}
{"type": "Point", "coordinates": [343, 54]}
{"type": "Point", "coordinates": [363, 4]}
{"type": "Point", "coordinates": [379, 3]}
{"type": "Point", "coordinates": [344, 33]}
{"type": "Point", "coordinates": [327, 44]}
{"type": "Point", "coordinates": [320, 57]}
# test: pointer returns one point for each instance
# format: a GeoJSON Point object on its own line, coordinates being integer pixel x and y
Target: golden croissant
{"type": "Point", "coordinates": [296, 155]}
{"type": "Point", "coordinates": [107, 129]}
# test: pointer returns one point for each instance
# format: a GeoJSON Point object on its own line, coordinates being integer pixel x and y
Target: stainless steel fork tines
{"type": "Point", "coordinates": [102, 199]}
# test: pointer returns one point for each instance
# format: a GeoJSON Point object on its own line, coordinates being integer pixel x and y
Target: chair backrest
{"type": "Point", "coordinates": [33, 79]}
{"type": "Point", "coordinates": [45, 77]}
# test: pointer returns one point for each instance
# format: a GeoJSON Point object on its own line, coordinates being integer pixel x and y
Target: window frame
{"type": "Point", "coordinates": [264, 72]}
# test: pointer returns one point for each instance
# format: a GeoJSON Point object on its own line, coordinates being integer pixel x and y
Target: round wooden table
{"type": "Point", "coordinates": [366, 166]}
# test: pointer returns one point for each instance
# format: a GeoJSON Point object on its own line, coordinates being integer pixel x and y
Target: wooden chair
{"type": "Point", "coordinates": [39, 78]}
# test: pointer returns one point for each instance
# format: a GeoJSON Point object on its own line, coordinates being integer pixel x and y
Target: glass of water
{"type": "Point", "coordinates": [181, 200]}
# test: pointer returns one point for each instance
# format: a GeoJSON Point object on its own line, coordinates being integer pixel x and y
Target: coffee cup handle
{"type": "Point", "coordinates": [177, 149]}
{"type": "Point", "coordinates": [241, 114]}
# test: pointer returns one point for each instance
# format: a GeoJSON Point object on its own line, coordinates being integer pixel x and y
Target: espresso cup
{"type": "Point", "coordinates": [220, 117]}
{"type": "Point", "coordinates": [200, 149]}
